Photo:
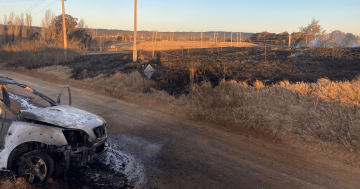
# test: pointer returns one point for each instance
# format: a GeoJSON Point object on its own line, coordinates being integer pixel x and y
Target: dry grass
{"type": "Point", "coordinates": [125, 82]}
{"type": "Point", "coordinates": [130, 82]}
{"type": "Point", "coordinates": [276, 109]}
{"type": "Point", "coordinates": [62, 72]}
{"type": "Point", "coordinates": [258, 84]}
{"type": "Point", "coordinates": [345, 92]}
{"type": "Point", "coordinates": [36, 53]}
{"type": "Point", "coordinates": [170, 45]}
{"type": "Point", "coordinates": [21, 183]}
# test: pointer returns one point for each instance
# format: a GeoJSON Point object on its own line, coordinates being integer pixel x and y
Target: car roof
{"type": "Point", "coordinates": [6, 80]}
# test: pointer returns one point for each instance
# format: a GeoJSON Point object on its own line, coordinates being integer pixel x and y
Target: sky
{"type": "Point", "coordinates": [274, 16]}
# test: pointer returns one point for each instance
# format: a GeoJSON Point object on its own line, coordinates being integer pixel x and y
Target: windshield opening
{"type": "Point", "coordinates": [22, 97]}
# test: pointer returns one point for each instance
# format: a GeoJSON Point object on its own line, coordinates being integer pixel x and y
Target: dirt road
{"type": "Point", "coordinates": [173, 152]}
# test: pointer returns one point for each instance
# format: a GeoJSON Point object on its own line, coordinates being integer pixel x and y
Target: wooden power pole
{"type": "Point", "coordinates": [64, 31]}
{"type": "Point", "coordinates": [135, 31]}
{"type": "Point", "coordinates": [289, 40]}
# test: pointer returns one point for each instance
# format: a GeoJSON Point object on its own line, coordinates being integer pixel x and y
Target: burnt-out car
{"type": "Point", "coordinates": [41, 138]}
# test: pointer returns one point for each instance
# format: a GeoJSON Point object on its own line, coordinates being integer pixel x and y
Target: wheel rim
{"type": "Point", "coordinates": [34, 169]}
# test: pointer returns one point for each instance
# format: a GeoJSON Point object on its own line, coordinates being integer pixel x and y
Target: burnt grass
{"type": "Point", "coordinates": [174, 67]}
{"type": "Point", "coordinates": [95, 176]}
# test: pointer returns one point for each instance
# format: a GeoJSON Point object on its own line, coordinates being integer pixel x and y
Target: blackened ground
{"type": "Point", "coordinates": [238, 63]}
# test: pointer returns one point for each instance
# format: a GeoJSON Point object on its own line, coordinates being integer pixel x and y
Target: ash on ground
{"type": "Point", "coordinates": [118, 170]}
{"type": "Point", "coordinates": [97, 176]}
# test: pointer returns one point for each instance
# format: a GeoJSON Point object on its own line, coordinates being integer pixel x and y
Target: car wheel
{"type": "Point", "coordinates": [35, 167]}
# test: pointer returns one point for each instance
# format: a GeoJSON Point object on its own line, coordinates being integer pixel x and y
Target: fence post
{"type": "Point", "coordinates": [156, 38]}
{"type": "Point", "coordinates": [237, 39]}
{"type": "Point", "coordinates": [265, 48]}
{"type": "Point", "coordinates": [333, 50]}
{"type": "Point", "coordinates": [182, 52]}
{"type": "Point", "coordinates": [240, 39]}
{"type": "Point", "coordinates": [153, 55]}
{"type": "Point", "coordinates": [214, 38]}
{"type": "Point", "coordinates": [188, 49]}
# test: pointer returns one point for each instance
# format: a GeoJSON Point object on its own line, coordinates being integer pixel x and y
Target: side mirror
{"type": "Point", "coordinates": [65, 86]}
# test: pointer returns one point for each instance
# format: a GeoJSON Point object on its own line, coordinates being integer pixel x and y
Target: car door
{"type": "Point", "coordinates": [3, 127]}
{"type": "Point", "coordinates": [6, 115]}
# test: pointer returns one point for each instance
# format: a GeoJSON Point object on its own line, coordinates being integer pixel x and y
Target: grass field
{"type": "Point", "coordinates": [172, 45]}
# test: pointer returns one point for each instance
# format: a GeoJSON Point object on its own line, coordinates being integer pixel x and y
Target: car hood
{"type": "Point", "coordinates": [65, 116]}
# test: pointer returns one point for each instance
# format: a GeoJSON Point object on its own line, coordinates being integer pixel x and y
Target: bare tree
{"type": "Point", "coordinates": [312, 30]}
{"type": "Point", "coordinates": [43, 30]}
{"type": "Point", "coordinates": [49, 31]}
{"type": "Point", "coordinates": [223, 69]}
{"type": "Point", "coordinates": [81, 23]}
{"type": "Point", "coordinates": [28, 19]}
{"type": "Point", "coordinates": [10, 27]}
{"type": "Point", "coordinates": [2, 34]}
{"type": "Point", "coordinates": [17, 28]}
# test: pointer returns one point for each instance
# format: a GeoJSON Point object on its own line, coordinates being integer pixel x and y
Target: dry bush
{"type": "Point", "coordinates": [62, 72]}
{"type": "Point", "coordinates": [258, 84]}
{"type": "Point", "coordinates": [130, 82]}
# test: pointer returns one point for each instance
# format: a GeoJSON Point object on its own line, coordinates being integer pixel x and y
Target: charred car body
{"type": "Point", "coordinates": [42, 142]}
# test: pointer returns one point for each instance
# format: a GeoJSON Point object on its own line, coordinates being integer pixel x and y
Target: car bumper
{"type": "Point", "coordinates": [83, 156]}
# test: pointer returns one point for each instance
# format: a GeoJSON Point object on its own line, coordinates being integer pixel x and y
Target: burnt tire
{"type": "Point", "coordinates": [35, 167]}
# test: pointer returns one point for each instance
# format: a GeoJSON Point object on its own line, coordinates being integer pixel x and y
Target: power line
{"type": "Point", "coordinates": [44, 8]}
{"type": "Point", "coordinates": [16, 1]}
{"type": "Point", "coordinates": [33, 6]}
